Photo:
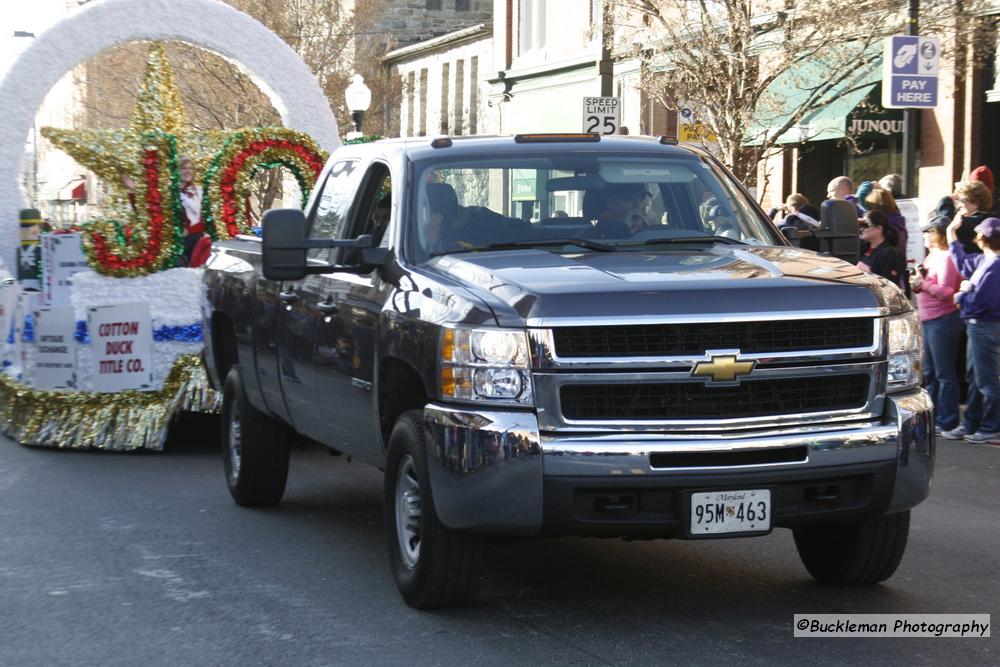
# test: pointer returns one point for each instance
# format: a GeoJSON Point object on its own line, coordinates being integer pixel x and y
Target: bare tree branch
{"type": "Point", "coordinates": [754, 70]}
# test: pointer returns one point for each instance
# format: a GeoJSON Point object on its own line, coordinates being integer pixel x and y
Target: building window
{"type": "Point", "coordinates": [423, 103]}
{"type": "Point", "coordinates": [474, 95]}
{"type": "Point", "coordinates": [445, 72]}
{"type": "Point", "coordinates": [655, 119]}
{"type": "Point", "coordinates": [531, 19]}
{"type": "Point", "coordinates": [459, 97]}
{"type": "Point", "coordinates": [410, 88]}
{"type": "Point", "coordinates": [433, 4]}
{"type": "Point", "coordinates": [461, 5]}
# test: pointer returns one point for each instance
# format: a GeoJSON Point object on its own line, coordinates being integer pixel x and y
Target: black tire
{"type": "Point", "coordinates": [254, 448]}
{"type": "Point", "coordinates": [447, 567]}
{"type": "Point", "coordinates": [854, 554]}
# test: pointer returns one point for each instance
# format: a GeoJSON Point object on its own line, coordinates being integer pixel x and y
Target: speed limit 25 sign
{"type": "Point", "coordinates": [602, 115]}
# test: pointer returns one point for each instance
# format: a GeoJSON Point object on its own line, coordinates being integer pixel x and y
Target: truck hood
{"type": "Point", "coordinates": [540, 288]}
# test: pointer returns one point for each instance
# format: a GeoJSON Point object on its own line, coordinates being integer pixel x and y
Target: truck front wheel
{"type": "Point", "coordinates": [851, 554]}
{"type": "Point", "coordinates": [254, 448]}
{"type": "Point", "coordinates": [433, 566]}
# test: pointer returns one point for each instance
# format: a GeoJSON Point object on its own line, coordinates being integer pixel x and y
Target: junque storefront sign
{"type": "Point", "coordinates": [867, 126]}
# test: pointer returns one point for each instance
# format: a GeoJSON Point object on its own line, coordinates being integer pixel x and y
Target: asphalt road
{"type": "Point", "coordinates": [126, 559]}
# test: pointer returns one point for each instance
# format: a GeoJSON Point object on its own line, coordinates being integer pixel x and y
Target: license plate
{"type": "Point", "coordinates": [716, 512]}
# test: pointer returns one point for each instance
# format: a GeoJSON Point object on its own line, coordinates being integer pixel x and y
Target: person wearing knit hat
{"type": "Point", "coordinates": [979, 300]}
{"type": "Point", "coordinates": [946, 205]}
{"type": "Point", "coordinates": [864, 190]}
{"type": "Point", "coordinates": [893, 183]}
{"type": "Point", "coordinates": [984, 176]}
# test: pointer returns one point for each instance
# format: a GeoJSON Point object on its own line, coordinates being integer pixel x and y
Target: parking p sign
{"type": "Point", "coordinates": [602, 115]}
{"type": "Point", "coordinates": [910, 72]}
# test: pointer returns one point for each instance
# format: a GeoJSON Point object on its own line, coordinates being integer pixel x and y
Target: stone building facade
{"type": "Point", "coordinates": [412, 21]}
{"type": "Point", "coordinates": [444, 84]}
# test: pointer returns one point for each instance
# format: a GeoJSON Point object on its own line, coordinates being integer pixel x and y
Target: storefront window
{"type": "Point", "coordinates": [878, 158]}
{"type": "Point", "coordinates": [875, 140]}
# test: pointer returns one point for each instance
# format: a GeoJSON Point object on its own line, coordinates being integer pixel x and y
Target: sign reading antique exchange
{"type": "Point", "coordinates": [55, 348]}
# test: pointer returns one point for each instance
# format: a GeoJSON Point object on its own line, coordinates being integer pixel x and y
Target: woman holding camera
{"type": "Point", "coordinates": [935, 284]}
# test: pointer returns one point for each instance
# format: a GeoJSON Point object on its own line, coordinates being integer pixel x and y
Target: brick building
{"type": "Point", "coordinates": [546, 56]}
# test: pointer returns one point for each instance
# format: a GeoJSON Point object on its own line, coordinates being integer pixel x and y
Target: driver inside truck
{"type": "Point", "coordinates": [620, 209]}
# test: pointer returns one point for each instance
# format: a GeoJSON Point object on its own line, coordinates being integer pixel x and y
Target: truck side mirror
{"type": "Point", "coordinates": [375, 257]}
{"type": "Point", "coordinates": [284, 247]}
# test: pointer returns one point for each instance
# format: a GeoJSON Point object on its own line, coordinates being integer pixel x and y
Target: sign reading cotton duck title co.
{"type": "Point", "coordinates": [121, 345]}
{"type": "Point", "coordinates": [910, 72]}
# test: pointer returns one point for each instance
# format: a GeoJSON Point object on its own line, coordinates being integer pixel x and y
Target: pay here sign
{"type": "Point", "coordinates": [910, 72]}
{"type": "Point", "coordinates": [121, 344]}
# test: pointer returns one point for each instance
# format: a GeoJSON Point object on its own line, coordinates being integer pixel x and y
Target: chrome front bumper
{"type": "Point", "coordinates": [488, 469]}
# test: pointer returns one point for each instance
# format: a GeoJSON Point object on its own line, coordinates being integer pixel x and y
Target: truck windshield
{"type": "Point", "coordinates": [593, 202]}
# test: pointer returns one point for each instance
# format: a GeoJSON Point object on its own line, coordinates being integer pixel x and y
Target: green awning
{"type": "Point", "coordinates": [792, 88]}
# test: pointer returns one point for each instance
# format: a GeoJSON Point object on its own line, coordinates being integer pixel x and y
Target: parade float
{"type": "Point", "coordinates": [103, 324]}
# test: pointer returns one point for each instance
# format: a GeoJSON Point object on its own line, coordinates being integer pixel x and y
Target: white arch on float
{"type": "Point", "coordinates": [212, 25]}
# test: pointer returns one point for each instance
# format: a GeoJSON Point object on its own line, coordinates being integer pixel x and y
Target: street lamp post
{"type": "Point", "coordinates": [358, 97]}
{"type": "Point", "coordinates": [910, 116]}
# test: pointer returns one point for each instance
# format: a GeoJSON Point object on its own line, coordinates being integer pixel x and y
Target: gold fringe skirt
{"type": "Point", "coordinates": [121, 421]}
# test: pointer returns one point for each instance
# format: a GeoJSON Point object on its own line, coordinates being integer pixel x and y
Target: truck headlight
{"type": "Point", "coordinates": [905, 351]}
{"type": "Point", "coordinates": [485, 365]}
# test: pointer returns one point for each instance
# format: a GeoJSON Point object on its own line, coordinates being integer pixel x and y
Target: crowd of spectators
{"type": "Point", "coordinates": [956, 288]}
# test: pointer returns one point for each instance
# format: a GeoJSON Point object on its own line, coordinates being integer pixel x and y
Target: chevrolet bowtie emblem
{"type": "Point", "coordinates": [723, 368]}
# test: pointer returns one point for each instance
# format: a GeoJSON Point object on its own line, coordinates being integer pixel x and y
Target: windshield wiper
{"type": "Point", "coordinates": [510, 245]}
{"type": "Point", "coordinates": [691, 239]}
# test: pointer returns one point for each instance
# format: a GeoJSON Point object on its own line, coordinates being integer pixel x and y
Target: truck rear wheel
{"type": "Point", "coordinates": [433, 566]}
{"type": "Point", "coordinates": [852, 554]}
{"type": "Point", "coordinates": [254, 448]}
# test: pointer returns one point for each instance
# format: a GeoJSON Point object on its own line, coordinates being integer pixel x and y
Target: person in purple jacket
{"type": "Point", "coordinates": [979, 300]}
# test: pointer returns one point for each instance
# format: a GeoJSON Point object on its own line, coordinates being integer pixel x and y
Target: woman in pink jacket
{"type": "Point", "coordinates": [935, 285]}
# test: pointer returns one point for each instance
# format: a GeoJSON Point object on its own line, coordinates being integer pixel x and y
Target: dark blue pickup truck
{"type": "Point", "coordinates": [569, 335]}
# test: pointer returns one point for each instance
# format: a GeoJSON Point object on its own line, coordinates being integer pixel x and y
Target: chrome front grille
{"type": "Point", "coordinates": [697, 400]}
{"type": "Point", "coordinates": [800, 389]}
{"type": "Point", "coordinates": [642, 340]}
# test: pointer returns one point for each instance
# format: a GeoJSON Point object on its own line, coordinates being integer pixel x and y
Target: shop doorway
{"type": "Point", "coordinates": [989, 127]}
{"type": "Point", "coordinates": [819, 161]}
